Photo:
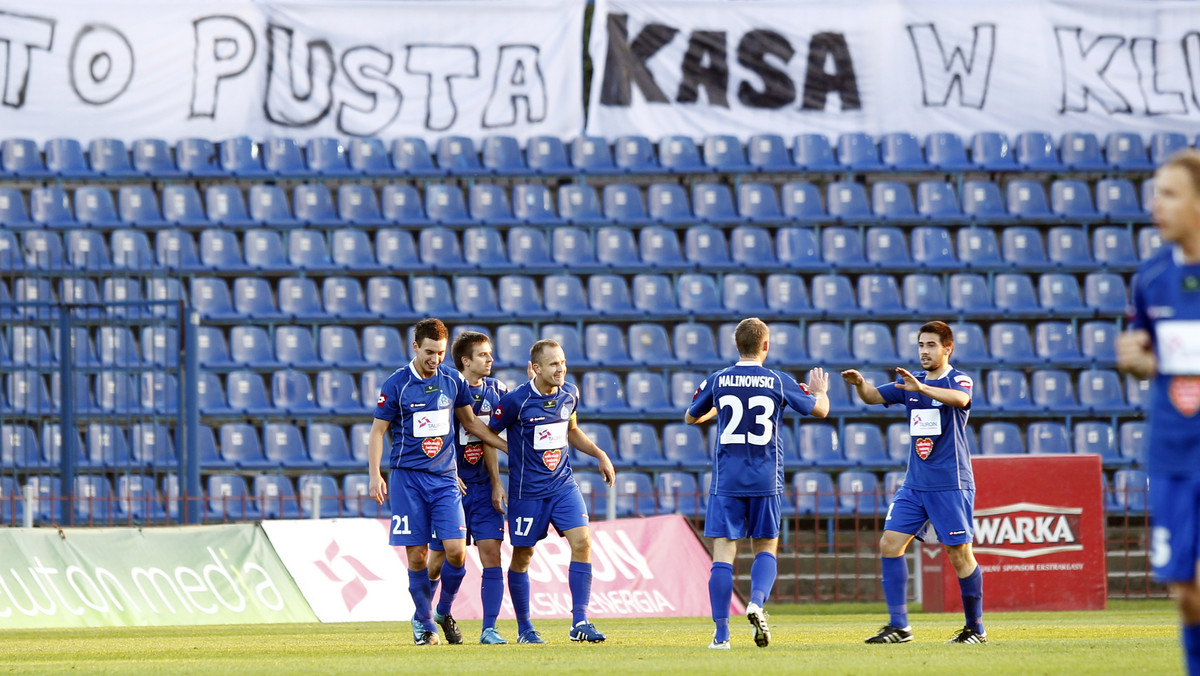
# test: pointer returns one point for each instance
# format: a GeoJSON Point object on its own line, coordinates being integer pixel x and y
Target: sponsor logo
{"type": "Point", "coordinates": [956, 532]}
{"type": "Point", "coordinates": [924, 447]}
{"type": "Point", "coordinates": [552, 458]}
{"type": "Point", "coordinates": [1160, 311]}
{"type": "Point", "coordinates": [382, 399]}
{"type": "Point", "coordinates": [697, 392]}
{"type": "Point", "coordinates": [1184, 393]}
{"type": "Point", "coordinates": [417, 404]}
{"type": "Point", "coordinates": [535, 419]}
{"type": "Point", "coordinates": [964, 382]}
{"type": "Point", "coordinates": [499, 411]}
{"type": "Point", "coordinates": [478, 398]}
{"type": "Point", "coordinates": [354, 589]}
{"type": "Point", "coordinates": [430, 389]}
{"type": "Point", "coordinates": [1024, 530]}
{"type": "Point", "coordinates": [431, 445]}
{"type": "Point", "coordinates": [550, 405]}
{"type": "Point", "coordinates": [473, 452]}
{"type": "Point", "coordinates": [544, 435]}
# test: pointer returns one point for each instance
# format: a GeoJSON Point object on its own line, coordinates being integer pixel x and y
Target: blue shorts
{"type": "Point", "coordinates": [734, 517]}
{"type": "Point", "coordinates": [530, 520]}
{"type": "Point", "coordinates": [483, 521]}
{"type": "Point", "coordinates": [422, 504]}
{"type": "Point", "coordinates": [1174, 527]}
{"type": "Point", "coordinates": [950, 512]}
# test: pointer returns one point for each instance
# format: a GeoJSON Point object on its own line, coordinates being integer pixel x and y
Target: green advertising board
{"type": "Point", "coordinates": [91, 577]}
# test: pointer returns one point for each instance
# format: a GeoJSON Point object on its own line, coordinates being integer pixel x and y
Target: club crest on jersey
{"type": "Point", "coordinates": [473, 452]}
{"type": "Point", "coordinates": [382, 399]}
{"type": "Point", "coordinates": [431, 445]}
{"type": "Point", "coordinates": [924, 447]}
{"type": "Point", "coordinates": [551, 458]}
{"type": "Point", "coordinates": [486, 407]}
{"type": "Point", "coordinates": [1184, 393]}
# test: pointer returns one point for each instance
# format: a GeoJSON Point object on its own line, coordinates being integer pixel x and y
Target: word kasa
{"type": "Point", "coordinates": [1024, 530]}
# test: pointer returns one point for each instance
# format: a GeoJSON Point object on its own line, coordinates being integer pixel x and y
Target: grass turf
{"type": "Point", "coordinates": [1129, 637]}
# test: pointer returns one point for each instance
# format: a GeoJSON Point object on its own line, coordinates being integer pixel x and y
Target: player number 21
{"type": "Point", "coordinates": [524, 524]}
{"type": "Point", "coordinates": [400, 525]}
{"type": "Point", "coordinates": [734, 404]}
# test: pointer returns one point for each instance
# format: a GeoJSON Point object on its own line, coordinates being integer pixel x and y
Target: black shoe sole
{"type": "Point", "coordinates": [762, 637]}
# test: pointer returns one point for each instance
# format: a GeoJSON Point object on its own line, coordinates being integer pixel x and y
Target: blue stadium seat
{"type": "Point", "coordinates": [43, 250]}
{"type": "Point", "coordinates": [634, 495]}
{"type": "Point", "coordinates": [601, 392]}
{"type": "Point", "coordinates": [94, 499]}
{"type": "Point", "coordinates": [511, 343]}
{"type": "Point", "coordinates": [768, 152]}
{"type": "Point", "coordinates": [684, 446]}
{"type": "Point", "coordinates": [83, 249]}
{"type": "Point", "coordinates": [1008, 390]}
{"type": "Point", "coordinates": [226, 205]}
{"type": "Point", "coordinates": [901, 151]}
{"type": "Point", "coordinates": [567, 336]}
{"type": "Point", "coordinates": [578, 204]}
{"type": "Point", "coordinates": [863, 445]}
{"type": "Point", "coordinates": [898, 442]}
{"type": "Point", "coordinates": [534, 204]}
{"type": "Point", "coordinates": [978, 247]}
{"type": "Point", "coordinates": [352, 250]}
{"type": "Point", "coordinates": [683, 387]}
{"type": "Point", "coordinates": [658, 246]}
{"type": "Point", "coordinates": [1055, 342]}
{"type": "Point", "coordinates": [440, 248]}
{"type": "Point", "coordinates": [483, 247]}
{"type": "Point", "coordinates": [678, 494]}
{"type": "Point", "coordinates": [812, 152]}
{"type": "Point", "coordinates": [757, 202]}
{"type": "Point", "coordinates": [981, 201]}
{"type": "Point", "coordinates": [151, 157]}
{"type": "Point", "coordinates": [695, 345]}
{"type": "Point", "coordinates": [109, 157]}
{"type": "Point", "coordinates": [801, 202]}
{"type": "Point", "coordinates": [742, 293]}
{"type": "Point", "coordinates": [726, 344]}
{"type": "Point", "coordinates": [327, 156]}
{"type": "Point", "coordinates": [819, 445]}
{"type": "Point", "coordinates": [246, 393]}
{"type": "Point", "coordinates": [1035, 151]}
{"type": "Point", "coordinates": [396, 250]}
{"type": "Point", "coordinates": [298, 298]}
{"type": "Point", "coordinates": [1129, 491]}
{"type": "Point", "coordinates": [1133, 441]}
{"type": "Point", "coordinates": [1072, 200]}
{"type": "Point", "coordinates": [1058, 292]}
{"type": "Point", "coordinates": [1100, 438]}
{"type": "Point", "coordinates": [1081, 152]}
{"type": "Point", "coordinates": [572, 246]}
{"type": "Point", "coordinates": [892, 200]}
{"type": "Point", "coordinates": [1165, 144]}
{"type": "Point", "coordinates": [679, 154]}
{"type": "Point", "coordinates": [240, 156]}
{"type": "Point", "coordinates": [457, 155]}
{"type": "Point", "coordinates": [197, 157]}
{"type": "Point", "coordinates": [275, 498]}
{"type": "Point", "coordinates": [518, 296]}
{"type": "Point", "coordinates": [991, 151]}
{"type": "Point", "coordinates": [872, 343]}
{"type": "Point", "coordinates": [847, 201]}
{"type": "Point", "coordinates": [410, 156]}
{"type": "Point", "coordinates": [383, 346]}
{"type": "Point", "coordinates": [1098, 340]}
{"type": "Point", "coordinates": [117, 394]}
{"type": "Point", "coordinates": [1100, 392]}
{"type": "Point", "coordinates": [445, 205]}
{"type": "Point", "coordinates": [137, 205]}
{"type": "Point", "coordinates": [106, 446]}
{"type": "Point", "coordinates": [635, 154]}
{"type": "Point", "coordinates": [314, 205]}
{"type": "Point", "coordinates": [602, 436]}
{"type": "Point", "coordinates": [563, 295]}
{"type": "Point", "coordinates": [488, 204]}
{"type": "Point", "coordinates": [698, 294]}
{"type": "Point", "coordinates": [704, 245]}
{"type": "Point", "coordinates": [638, 446]}
{"type": "Point", "coordinates": [181, 206]}
{"type": "Point", "coordinates": [608, 294]}
{"type": "Point", "coordinates": [137, 500]}
{"type": "Point", "coordinates": [932, 247]}
{"type": "Point", "coordinates": [649, 344]}
{"type": "Point", "coordinates": [751, 247]}
{"type": "Point", "coordinates": [1048, 436]}
{"type": "Point", "coordinates": [623, 204]}
{"type": "Point", "coordinates": [594, 491]}
{"type": "Point", "coordinates": [1022, 246]}
{"type": "Point", "coordinates": [250, 346]}
{"type": "Point", "coordinates": [653, 294]}
{"type": "Point", "coordinates": [282, 157]}
{"type": "Point", "coordinates": [841, 246]}
{"type": "Point", "coordinates": [592, 155]}
{"type": "Point", "coordinates": [787, 345]}
{"type": "Point", "coordinates": [402, 204]}
{"type": "Point", "coordinates": [116, 346]}
{"type": "Point", "coordinates": [859, 494]}
{"type": "Point", "coordinates": [833, 294]}
{"type": "Point", "coordinates": [306, 249]}
{"type": "Point", "coordinates": [1014, 292]}
{"type": "Point", "coordinates": [229, 500]}
{"type": "Point", "coordinates": [1113, 245]}
{"type": "Point", "coordinates": [1148, 242]}
{"type": "Point", "coordinates": [94, 207]}
{"type": "Point", "coordinates": [1027, 200]}
{"type": "Point", "coordinates": [1126, 151]}
{"type": "Point", "coordinates": [827, 342]}
{"type": "Point", "coordinates": [130, 250]}
{"type": "Point", "coordinates": [1010, 343]}
{"type": "Point", "coordinates": [358, 205]}
{"type": "Point", "coordinates": [546, 155]}
{"type": "Point", "coordinates": [475, 297]}
{"type": "Point", "coordinates": [370, 385]}
{"type": "Point", "coordinates": [13, 214]}
{"type": "Point", "coordinates": [936, 201]}
{"type": "Point", "coordinates": [605, 344]}
{"type": "Point", "coordinates": [330, 505]}
{"type": "Point", "coordinates": [813, 493]}
{"type": "Point", "coordinates": [159, 392]}
{"type": "Point", "coordinates": [152, 445]}
{"type": "Point", "coordinates": [252, 297]}
{"type": "Point", "coordinates": [1052, 390]}
{"type": "Point", "coordinates": [668, 203]}
{"type": "Point", "coordinates": [945, 151]}
{"type": "Point", "coordinates": [283, 444]}
{"type": "Point", "coordinates": [857, 151]}
{"type": "Point", "coordinates": [339, 347]}
{"type": "Point", "coordinates": [725, 153]}
{"type": "Point", "coordinates": [1001, 438]}
{"type": "Point", "coordinates": [1105, 291]}
{"type": "Point", "coordinates": [713, 202]}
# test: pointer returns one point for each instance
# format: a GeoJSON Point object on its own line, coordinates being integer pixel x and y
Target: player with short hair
{"type": "Point", "coordinates": [483, 501]}
{"type": "Point", "coordinates": [939, 487]}
{"type": "Point", "coordinates": [1163, 343]}
{"type": "Point", "coordinates": [540, 419]}
{"type": "Point", "coordinates": [747, 481]}
{"type": "Point", "coordinates": [415, 405]}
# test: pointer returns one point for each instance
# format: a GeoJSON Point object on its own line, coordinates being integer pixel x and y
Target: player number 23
{"type": "Point", "coordinates": [734, 404]}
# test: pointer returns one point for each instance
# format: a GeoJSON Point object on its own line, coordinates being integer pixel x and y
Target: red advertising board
{"type": "Point", "coordinates": [1039, 537]}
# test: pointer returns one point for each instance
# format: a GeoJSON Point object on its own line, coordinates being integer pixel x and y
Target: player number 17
{"type": "Point", "coordinates": [524, 525]}
{"type": "Point", "coordinates": [734, 404]}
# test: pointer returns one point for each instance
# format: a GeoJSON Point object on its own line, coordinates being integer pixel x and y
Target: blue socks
{"type": "Point", "coordinates": [1191, 647]}
{"type": "Point", "coordinates": [418, 587]}
{"type": "Point", "coordinates": [452, 577]}
{"type": "Point", "coordinates": [492, 589]}
{"type": "Point", "coordinates": [895, 589]}
{"type": "Point", "coordinates": [972, 598]}
{"type": "Point", "coordinates": [762, 577]}
{"type": "Point", "coordinates": [579, 577]}
{"type": "Point", "coordinates": [518, 588]}
{"type": "Point", "coordinates": [720, 593]}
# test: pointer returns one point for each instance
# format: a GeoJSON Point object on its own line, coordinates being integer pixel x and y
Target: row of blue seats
{"type": "Point", "coordinates": [136, 498]}
{"type": "Point", "coordinates": [444, 204]}
{"type": "Point", "coordinates": [291, 393]}
{"type": "Point", "coordinates": [283, 446]}
{"type": "Point", "coordinates": [563, 296]}
{"type": "Point", "coordinates": [503, 155]}
{"type": "Point", "coordinates": [598, 345]}
{"type": "Point", "coordinates": [486, 250]}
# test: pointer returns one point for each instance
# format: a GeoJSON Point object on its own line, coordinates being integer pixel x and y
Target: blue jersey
{"type": "Point", "coordinates": [750, 400]}
{"type": "Point", "coordinates": [421, 413]}
{"type": "Point", "coordinates": [471, 468]}
{"type": "Point", "coordinates": [939, 458]}
{"type": "Point", "coordinates": [537, 439]}
{"type": "Point", "coordinates": [1166, 303]}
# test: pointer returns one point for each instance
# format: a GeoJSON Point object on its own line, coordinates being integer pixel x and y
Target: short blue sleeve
{"type": "Point", "coordinates": [796, 394]}
{"type": "Point", "coordinates": [702, 400]}
{"type": "Point", "coordinates": [505, 413]}
{"type": "Point", "coordinates": [891, 394]}
{"type": "Point", "coordinates": [388, 406]}
{"type": "Point", "coordinates": [463, 398]}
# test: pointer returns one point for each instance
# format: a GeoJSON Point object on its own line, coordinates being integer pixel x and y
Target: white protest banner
{"type": "Point", "coordinates": [214, 69]}
{"type": "Point", "coordinates": [706, 67]}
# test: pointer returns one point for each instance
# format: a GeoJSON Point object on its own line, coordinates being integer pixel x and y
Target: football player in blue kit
{"type": "Point", "coordinates": [1163, 343]}
{"type": "Point", "coordinates": [483, 502]}
{"type": "Point", "coordinates": [939, 486]}
{"type": "Point", "coordinates": [747, 481]}
{"type": "Point", "coordinates": [415, 406]}
{"type": "Point", "coordinates": [539, 417]}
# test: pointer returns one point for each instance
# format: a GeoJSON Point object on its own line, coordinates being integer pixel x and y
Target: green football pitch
{"type": "Point", "coordinates": [1128, 638]}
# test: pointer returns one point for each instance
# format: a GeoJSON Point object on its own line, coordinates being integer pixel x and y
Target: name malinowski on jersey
{"type": "Point", "coordinates": [766, 382]}
{"type": "Point", "coordinates": [1024, 530]}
